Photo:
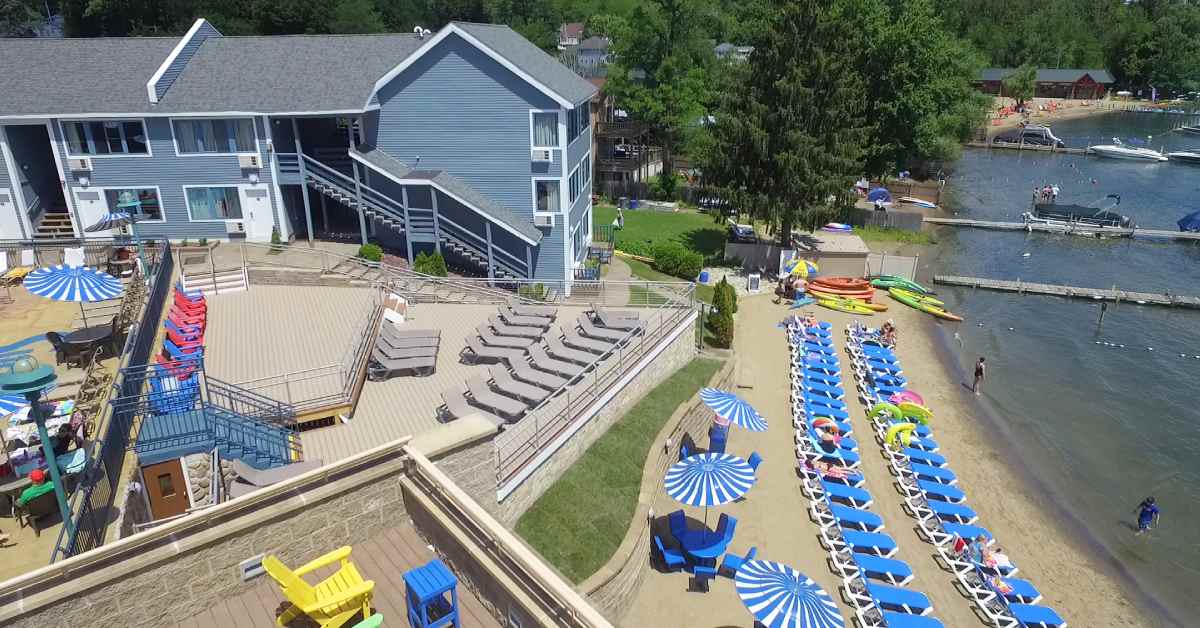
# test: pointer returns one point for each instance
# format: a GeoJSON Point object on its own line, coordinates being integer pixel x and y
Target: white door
{"type": "Point", "coordinates": [10, 220]}
{"type": "Point", "coordinates": [90, 207]}
{"type": "Point", "coordinates": [256, 211]}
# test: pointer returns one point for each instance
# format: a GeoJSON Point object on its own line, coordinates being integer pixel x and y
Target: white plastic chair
{"type": "Point", "coordinates": [73, 257]}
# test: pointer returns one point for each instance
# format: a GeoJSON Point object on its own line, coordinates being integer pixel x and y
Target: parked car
{"type": "Point", "coordinates": [742, 233]}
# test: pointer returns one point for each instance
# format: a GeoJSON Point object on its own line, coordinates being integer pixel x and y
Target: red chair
{"type": "Point", "coordinates": [184, 318]}
{"type": "Point", "coordinates": [183, 342]}
{"type": "Point", "coordinates": [180, 370]}
{"type": "Point", "coordinates": [191, 306]}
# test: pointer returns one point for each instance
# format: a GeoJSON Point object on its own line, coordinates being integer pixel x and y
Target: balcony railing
{"type": "Point", "coordinates": [621, 128]}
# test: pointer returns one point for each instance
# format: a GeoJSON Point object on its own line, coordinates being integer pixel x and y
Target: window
{"type": "Point", "coordinates": [578, 120]}
{"type": "Point", "coordinates": [197, 137]}
{"type": "Point", "coordinates": [586, 169]}
{"type": "Point", "coordinates": [576, 183]}
{"type": "Point", "coordinates": [166, 487]}
{"type": "Point", "coordinates": [217, 203]}
{"type": "Point", "coordinates": [581, 177]}
{"type": "Point", "coordinates": [105, 137]}
{"type": "Point", "coordinates": [546, 193]}
{"type": "Point", "coordinates": [545, 129]}
{"type": "Point", "coordinates": [140, 202]}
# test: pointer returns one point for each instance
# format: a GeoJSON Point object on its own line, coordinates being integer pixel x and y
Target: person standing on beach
{"type": "Point", "coordinates": [1147, 513]}
{"type": "Point", "coordinates": [1054, 193]}
{"type": "Point", "coordinates": [980, 372]}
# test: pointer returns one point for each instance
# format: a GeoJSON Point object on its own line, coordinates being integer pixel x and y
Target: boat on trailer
{"type": "Point", "coordinates": [1186, 156]}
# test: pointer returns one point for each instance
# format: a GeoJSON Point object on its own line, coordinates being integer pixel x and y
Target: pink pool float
{"type": "Point", "coordinates": [907, 395]}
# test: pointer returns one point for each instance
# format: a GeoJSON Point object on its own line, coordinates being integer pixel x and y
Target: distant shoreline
{"type": "Point", "coordinates": [1071, 110]}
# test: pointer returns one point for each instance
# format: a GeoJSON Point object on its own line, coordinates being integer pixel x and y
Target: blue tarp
{"type": "Point", "coordinates": [1190, 222]}
{"type": "Point", "coordinates": [879, 194]}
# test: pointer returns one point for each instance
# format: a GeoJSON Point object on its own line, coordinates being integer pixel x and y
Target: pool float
{"type": "Point", "coordinates": [906, 395]}
{"type": "Point", "coordinates": [899, 434]}
{"type": "Point", "coordinates": [907, 299]}
{"type": "Point", "coordinates": [844, 305]}
{"type": "Point", "coordinates": [886, 408]}
{"type": "Point", "coordinates": [919, 412]}
{"type": "Point", "coordinates": [837, 227]}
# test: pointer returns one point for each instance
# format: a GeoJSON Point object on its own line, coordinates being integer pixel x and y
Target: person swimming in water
{"type": "Point", "coordinates": [1148, 514]}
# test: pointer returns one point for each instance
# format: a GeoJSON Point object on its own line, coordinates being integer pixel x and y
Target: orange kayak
{"type": "Point", "coordinates": [843, 283]}
{"type": "Point", "coordinates": [867, 294]}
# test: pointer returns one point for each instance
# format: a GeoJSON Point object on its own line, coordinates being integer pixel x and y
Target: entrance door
{"type": "Point", "coordinates": [10, 219]}
{"type": "Point", "coordinates": [256, 209]}
{"type": "Point", "coordinates": [90, 207]}
{"type": "Point", "coordinates": [166, 489]}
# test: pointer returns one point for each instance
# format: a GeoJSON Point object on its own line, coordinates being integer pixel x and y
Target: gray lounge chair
{"type": "Point", "coordinates": [476, 353]}
{"type": "Point", "coordinates": [512, 318]}
{"type": "Point", "coordinates": [489, 338]}
{"type": "Point", "coordinates": [407, 343]}
{"type": "Point", "coordinates": [456, 406]}
{"type": "Point", "coordinates": [563, 352]}
{"type": "Point", "coordinates": [527, 373]}
{"type": "Point", "coordinates": [396, 332]}
{"type": "Point", "coordinates": [590, 330]}
{"type": "Point", "coordinates": [618, 320]}
{"type": "Point", "coordinates": [504, 329]}
{"type": "Point", "coordinates": [393, 353]}
{"type": "Point", "coordinates": [534, 310]}
{"type": "Point", "coordinates": [572, 339]}
{"type": "Point", "coordinates": [504, 382]}
{"type": "Point", "coordinates": [483, 395]}
{"type": "Point", "coordinates": [383, 367]}
{"type": "Point", "coordinates": [250, 479]}
{"type": "Point", "coordinates": [542, 361]}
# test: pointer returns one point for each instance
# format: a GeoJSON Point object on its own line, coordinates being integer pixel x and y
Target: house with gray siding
{"type": "Point", "coordinates": [470, 141]}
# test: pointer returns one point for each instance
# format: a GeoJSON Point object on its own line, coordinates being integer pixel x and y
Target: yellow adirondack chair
{"type": "Point", "coordinates": [332, 602]}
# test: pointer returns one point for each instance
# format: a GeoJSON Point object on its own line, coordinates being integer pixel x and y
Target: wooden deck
{"type": "Point", "coordinates": [1095, 294]}
{"type": "Point", "coordinates": [383, 559]}
{"type": "Point", "coordinates": [405, 405]}
{"type": "Point", "coordinates": [1106, 232]}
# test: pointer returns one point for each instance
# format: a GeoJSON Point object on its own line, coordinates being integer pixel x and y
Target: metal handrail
{"type": "Point", "coordinates": [442, 221]}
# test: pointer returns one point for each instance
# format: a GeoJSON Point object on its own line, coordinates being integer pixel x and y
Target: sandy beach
{"type": "Point", "coordinates": [773, 515]}
{"type": "Point", "coordinates": [1066, 110]}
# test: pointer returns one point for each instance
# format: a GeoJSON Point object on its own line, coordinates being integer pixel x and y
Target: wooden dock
{"type": "Point", "coordinates": [1076, 229]}
{"type": "Point", "coordinates": [1066, 150]}
{"type": "Point", "coordinates": [1094, 294]}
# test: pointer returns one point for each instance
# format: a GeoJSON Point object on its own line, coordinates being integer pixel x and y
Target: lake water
{"type": "Point", "coordinates": [1103, 414]}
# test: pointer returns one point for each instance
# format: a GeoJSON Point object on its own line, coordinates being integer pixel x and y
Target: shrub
{"type": "Point", "coordinates": [664, 187]}
{"type": "Point", "coordinates": [537, 291]}
{"type": "Point", "coordinates": [725, 297]}
{"type": "Point", "coordinates": [720, 323]}
{"type": "Point", "coordinates": [370, 252]}
{"type": "Point", "coordinates": [431, 264]}
{"type": "Point", "coordinates": [186, 243]}
{"type": "Point", "coordinates": [203, 241]}
{"type": "Point", "coordinates": [674, 259]}
{"type": "Point", "coordinates": [276, 239]}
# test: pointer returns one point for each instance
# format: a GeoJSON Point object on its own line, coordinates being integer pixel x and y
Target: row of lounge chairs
{"type": "Point", "coordinates": [932, 496]}
{"type": "Point", "coordinates": [530, 361]}
{"type": "Point", "coordinates": [400, 351]}
{"type": "Point", "coordinates": [174, 387]}
{"type": "Point", "coordinates": [873, 582]}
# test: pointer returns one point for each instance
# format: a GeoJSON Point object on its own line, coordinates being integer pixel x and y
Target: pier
{"type": "Point", "coordinates": [1023, 146]}
{"type": "Point", "coordinates": [1094, 294]}
{"type": "Point", "coordinates": [1073, 229]}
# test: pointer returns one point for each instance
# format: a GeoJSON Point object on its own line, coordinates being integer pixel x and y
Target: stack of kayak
{"type": "Point", "coordinates": [931, 492]}
{"type": "Point", "coordinates": [845, 294]}
{"type": "Point", "coordinates": [913, 295]}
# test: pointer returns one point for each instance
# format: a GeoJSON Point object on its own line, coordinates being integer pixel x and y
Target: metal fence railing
{"type": "Point", "coordinates": [92, 502]}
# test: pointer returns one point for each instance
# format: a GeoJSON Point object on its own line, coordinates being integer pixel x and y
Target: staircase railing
{"type": "Point", "coordinates": [518, 267]}
{"type": "Point", "coordinates": [323, 173]}
{"type": "Point", "coordinates": [248, 403]}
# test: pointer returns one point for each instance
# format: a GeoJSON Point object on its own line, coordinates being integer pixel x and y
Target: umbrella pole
{"type": "Point", "coordinates": [83, 315]}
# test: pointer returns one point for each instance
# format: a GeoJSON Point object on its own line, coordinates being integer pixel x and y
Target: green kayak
{"type": "Point", "coordinates": [892, 281]}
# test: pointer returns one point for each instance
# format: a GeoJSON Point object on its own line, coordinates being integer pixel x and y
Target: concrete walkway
{"type": "Point", "coordinates": [618, 276]}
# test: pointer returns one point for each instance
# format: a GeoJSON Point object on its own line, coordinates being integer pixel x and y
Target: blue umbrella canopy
{"type": "Point", "coordinates": [709, 479]}
{"type": "Point", "coordinates": [879, 194]}
{"type": "Point", "coordinates": [11, 403]}
{"type": "Point", "coordinates": [1190, 222]}
{"type": "Point", "coordinates": [77, 284]}
{"type": "Point", "coordinates": [780, 597]}
{"type": "Point", "coordinates": [113, 220]}
{"type": "Point", "coordinates": [732, 407]}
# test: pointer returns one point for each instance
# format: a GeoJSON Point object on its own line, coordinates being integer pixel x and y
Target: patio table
{"type": "Point", "coordinates": [96, 336]}
{"type": "Point", "coordinates": [703, 544]}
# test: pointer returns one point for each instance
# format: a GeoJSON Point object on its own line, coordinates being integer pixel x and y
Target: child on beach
{"type": "Point", "coordinates": [980, 372]}
{"type": "Point", "coordinates": [1147, 513]}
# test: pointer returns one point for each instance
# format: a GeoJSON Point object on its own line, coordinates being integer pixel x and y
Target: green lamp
{"type": "Point", "coordinates": [29, 378]}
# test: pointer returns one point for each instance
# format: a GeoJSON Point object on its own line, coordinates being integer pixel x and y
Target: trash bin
{"type": "Point", "coordinates": [633, 203]}
{"type": "Point", "coordinates": [623, 202]}
{"type": "Point", "coordinates": [703, 277]}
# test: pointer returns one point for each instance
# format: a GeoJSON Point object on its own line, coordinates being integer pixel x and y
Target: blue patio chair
{"type": "Point", "coordinates": [175, 353]}
{"type": "Point", "coordinates": [190, 332]}
{"type": "Point", "coordinates": [725, 526]}
{"type": "Point", "coordinates": [678, 524]}
{"type": "Point", "coordinates": [733, 562]}
{"type": "Point", "coordinates": [899, 599]}
{"type": "Point", "coordinates": [1034, 616]}
{"type": "Point", "coordinates": [671, 558]}
{"type": "Point", "coordinates": [683, 451]}
{"type": "Point", "coordinates": [754, 460]}
{"type": "Point", "coordinates": [702, 574]}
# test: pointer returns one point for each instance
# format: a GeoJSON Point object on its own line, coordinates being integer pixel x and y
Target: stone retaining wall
{"type": "Point", "coordinates": [299, 277]}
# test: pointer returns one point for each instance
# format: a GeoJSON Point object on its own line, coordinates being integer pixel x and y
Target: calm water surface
{"type": "Point", "coordinates": [1103, 414]}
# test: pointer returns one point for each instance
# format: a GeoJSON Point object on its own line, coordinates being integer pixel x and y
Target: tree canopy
{"type": "Point", "coordinates": [1021, 84]}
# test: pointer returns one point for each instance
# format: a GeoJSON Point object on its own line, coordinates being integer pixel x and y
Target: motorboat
{"type": "Point", "coordinates": [1184, 156]}
{"type": "Point", "coordinates": [1030, 134]}
{"type": "Point", "coordinates": [919, 202]}
{"type": "Point", "coordinates": [1118, 150]}
{"type": "Point", "coordinates": [1192, 129]}
{"type": "Point", "coordinates": [1078, 216]}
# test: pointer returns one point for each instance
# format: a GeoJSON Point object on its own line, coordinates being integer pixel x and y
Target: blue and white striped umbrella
{"type": "Point", "coordinates": [77, 284]}
{"type": "Point", "coordinates": [11, 403]}
{"type": "Point", "coordinates": [732, 407]}
{"type": "Point", "coordinates": [113, 220]}
{"type": "Point", "coordinates": [780, 597]}
{"type": "Point", "coordinates": [709, 479]}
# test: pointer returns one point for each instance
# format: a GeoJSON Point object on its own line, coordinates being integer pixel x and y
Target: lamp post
{"type": "Point", "coordinates": [29, 378]}
{"type": "Point", "coordinates": [132, 205]}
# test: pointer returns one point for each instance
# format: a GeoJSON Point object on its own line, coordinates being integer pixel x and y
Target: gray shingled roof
{"type": "Point", "coordinates": [388, 164]}
{"type": "Point", "coordinates": [532, 60]}
{"type": "Point", "coordinates": [286, 73]}
{"type": "Point", "coordinates": [73, 76]}
{"type": "Point", "coordinates": [1050, 75]}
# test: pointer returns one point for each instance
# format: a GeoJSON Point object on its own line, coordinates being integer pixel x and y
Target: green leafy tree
{"type": "Point", "coordinates": [356, 16]}
{"type": "Point", "coordinates": [18, 18]}
{"type": "Point", "coordinates": [1021, 84]}
{"type": "Point", "coordinates": [789, 133]}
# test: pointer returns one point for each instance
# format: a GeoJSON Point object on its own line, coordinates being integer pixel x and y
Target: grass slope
{"type": "Point", "coordinates": [579, 522]}
{"type": "Point", "coordinates": [644, 228]}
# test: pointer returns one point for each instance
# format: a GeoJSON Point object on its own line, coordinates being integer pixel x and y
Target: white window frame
{"type": "Point", "coordinates": [157, 190]}
{"type": "Point", "coordinates": [187, 205]}
{"type": "Point", "coordinates": [533, 190]}
{"type": "Point", "coordinates": [62, 131]}
{"type": "Point", "coordinates": [571, 188]}
{"type": "Point", "coordinates": [174, 141]}
{"type": "Point", "coordinates": [561, 127]}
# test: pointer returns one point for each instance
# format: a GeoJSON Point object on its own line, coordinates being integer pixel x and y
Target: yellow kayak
{"type": "Point", "coordinates": [844, 306]}
{"type": "Point", "coordinates": [877, 307]}
{"type": "Point", "coordinates": [920, 298]}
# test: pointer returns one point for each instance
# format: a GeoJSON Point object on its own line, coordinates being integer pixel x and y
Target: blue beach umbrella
{"type": "Point", "coordinates": [11, 403]}
{"type": "Point", "coordinates": [114, 220]}
{"type": "Point", "coordinates": [780, 597]}
{"type": "Point", "coordinates": [78, 284]}
{"type": "Point", "coordinates": [732, 407]}
{"type": "Point", "coordinates": [709, 479]}
{"type": "Point", "coordinates": [879, 194]}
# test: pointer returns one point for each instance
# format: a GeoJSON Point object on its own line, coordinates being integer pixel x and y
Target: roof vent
{"type": "Point", "coordinates": [421, 33]}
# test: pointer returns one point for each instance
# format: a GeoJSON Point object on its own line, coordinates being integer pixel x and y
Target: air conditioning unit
{"type": "Point", "coordinates": [80, 164]}
{"type": "Point", "coordinates": [542, 154]}
{"type": "Point", "coordinates": [235, 227]}
{"type": "Point", "coordinates": [250, 162]}
{"type": "Point", "coordinates": [543, 220]}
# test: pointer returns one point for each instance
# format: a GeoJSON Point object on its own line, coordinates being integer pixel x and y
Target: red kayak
{"type": "Point", "coordinates": [843, 283]}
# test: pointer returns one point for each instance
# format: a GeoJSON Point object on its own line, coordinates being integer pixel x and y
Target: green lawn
{"type": "Point", "coordinates": [642, 270]}
{"type": "Point", "coordinates": [644, 228]}
{"type": "Point", "coordinates": [901, 236]}
{"type": "Point", "coordinates": [582, 518]}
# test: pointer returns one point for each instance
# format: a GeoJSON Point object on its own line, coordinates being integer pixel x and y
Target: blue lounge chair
{"type": "Point", "coordinates": [845, 456]}
{"type": "Point", "coordinates": [1020, 591]}
{"type": "Point", "coordinates": [823, 400]}
{"type": "Point", "coordinates": [822, 367]}
{"type": "Point", "coordinates": [1034, 616]}
{"type": "Point", "coordinates": [887, 391]}
{"type": "Point", "coordinates": [877, 351]}
{"type": "Point", "coordinates": [924, 457]}
{"type": "Point", "coordinates": [754, 460]}
{"type": "Point", "coordinates": [884, 366]}
{"type": "Point", "coordinates": [923, 431]}
{"type": "Point", "coordinates": [671, 558]}
{"type": "Point", "coordinates": [857, 497]}
{"type": "Point", "coordinates": [966, 531]}
{"type": "Point", "coordinates": [863, 542]}
{"type": "Point", "coordinates": [925, 444]}
{"type": "Point", "coordinates": [833, 392]}
{"type": "Point", "coordinates": [733, 562]}
{"type": "Point", "coordinates": [904, 620]}
{"type": "Point", "coordinates": [899, 599]}
{"type": "Point", "coordinates": [956, 513]}
{"type": "Point", "coordinates": [813, 347]}
{"type": "Point", "coordinates": [864, 520]}
{"type": "Point", "coordinates": [847, 443]}
{"type": "Point", "coordinates": [890, 570]}
{"type": "Point", "coordinates": [824, 378]}
{"type": "Point", "coordinates": [816, 410]}
{"type": "Point", "coordinates": [890, 379]}
{"type": "Point", "coordinates": [944, 492]}
{"type": "Point", "coordinates": [825, 340]}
